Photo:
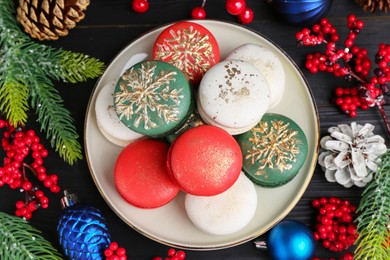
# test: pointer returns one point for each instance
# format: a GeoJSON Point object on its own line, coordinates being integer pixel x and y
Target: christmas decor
{"type": "Point", "coordinates": [82, 230]}
{"type": "Point", "coordinates": [199, 12]}
{"type": "Point", "coordinates": [114, 252]}
{"type": "Point", "coordinates": [49, 19]}
{"type": "Point", "coordinates": [26, 74]}
{"type": "Point", "coordinates": [335, 227]}
{"type": "Point", "coordinates": [20, 144]}
{"type": "Point", "coordinates": [351, 154]}
{"type": "Point", "coordinates": [374, 215]}
{"type": "Point", "coordinates": [140, 6]}
{"type": "Point", "coordinates": [301, 12]}
{"type": "Point", "coordinates": [172, 255]}
{"type": "Point", "coordinates": [19, 240]}
{"type": "Point", "coordinates": [350, 62]}
{"type": "Point", "coordinates": [373, 5]}
{"type": "Point", "coordinates": [289, 240]}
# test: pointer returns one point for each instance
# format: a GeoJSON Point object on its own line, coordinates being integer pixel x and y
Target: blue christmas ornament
{"type": "Point", "coordinates": [82, 230]}
{"type": "Point", "coordinates": [302, 12]}
{"type": "Point", "coordinates": [289, 240]}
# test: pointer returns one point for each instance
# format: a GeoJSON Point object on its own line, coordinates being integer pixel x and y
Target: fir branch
{"type": "Point", "coordinates": [56, 121]}
{"type": "Point", "coordinates": [26, 71]}
{"type": "Point", "coordinates": [19, 240]}
{"type": "Point", "coordinates": [14, 97]}
{"type": "Point", "coordinates": [374, 218]}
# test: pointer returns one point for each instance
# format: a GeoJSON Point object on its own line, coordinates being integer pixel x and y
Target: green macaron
{"type": "Point", "coordinates": [153, 98]}
{"type": "Point", "coordinates": [273, 151]}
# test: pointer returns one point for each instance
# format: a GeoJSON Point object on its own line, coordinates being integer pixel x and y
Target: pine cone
{"type": "Point", "coordinates": [372, 5]}
{"type": "Point", "coordinates": [49, 19]}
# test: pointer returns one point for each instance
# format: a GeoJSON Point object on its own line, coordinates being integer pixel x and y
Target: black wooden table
{"type": "Point", "coordinates": [110, 25]}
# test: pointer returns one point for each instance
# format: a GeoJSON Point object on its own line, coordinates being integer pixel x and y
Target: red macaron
{"type": "Point", "coordinates": [189, 46]}
{"type": "Point", "coordinates": [205, 160]}
{"type": "Point", "coordinates": [141, 175]}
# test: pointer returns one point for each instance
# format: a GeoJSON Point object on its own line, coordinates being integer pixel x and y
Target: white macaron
{"type": "Point", "coordinates": [233, 95]}
{"type": "Point", "coordinates": [225, 213]}
{"type": "Point", "coordinates": [107, 120]}
{"type": "Point", "coordinates": [267, 63]}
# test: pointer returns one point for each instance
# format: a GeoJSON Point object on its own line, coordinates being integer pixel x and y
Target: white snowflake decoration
{"type": "Point", "coordinates": [351, 154]}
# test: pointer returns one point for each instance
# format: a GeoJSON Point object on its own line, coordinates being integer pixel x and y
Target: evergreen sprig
{"type": "Point", "coordinates": [374, 215]}
{"type": "Point", "coordinates": [19, 240]}
{"type": "Point", "coordinates": [27, 69]}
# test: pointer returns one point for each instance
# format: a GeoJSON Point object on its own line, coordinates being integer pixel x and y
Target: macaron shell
{"type": "Point", "coordinates": [205, 160]}
{"type": "Point", "coordinates": [224, 213]}
{"type": "Point", "coordinates": [234, 94]}
{"type": "Point", "coordinates": [107, 120]}
{"type": "Point", "coordinates": [230, 130]}
{"type": "Point", "coordinates": [267, 63]}
{"type": "Point", "coordinates": [141, 176]}
{"type": "Point", "coordinates": [189, 46]}
{"type": "Point", "coordinates": [153, 98]}
{"type": "Point", "coordinates": [273, 151]}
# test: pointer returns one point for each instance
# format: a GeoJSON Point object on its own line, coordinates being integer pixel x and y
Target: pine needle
{"type": "Point", "coordinates": [19, 240]}
{"type": "Point", "coordinates": [374, 216]}
{"type": "Point", "coordinates": [26, 71]}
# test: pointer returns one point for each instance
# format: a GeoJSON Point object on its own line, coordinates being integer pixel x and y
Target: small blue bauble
{"type": "Point", "coordinates": [291, 240]}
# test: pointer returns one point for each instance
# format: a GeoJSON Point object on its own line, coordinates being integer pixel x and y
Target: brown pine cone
{"type": "Point", "coordinates": [49, 19]}
{"type": "Point", "coordinates": [372, 5]}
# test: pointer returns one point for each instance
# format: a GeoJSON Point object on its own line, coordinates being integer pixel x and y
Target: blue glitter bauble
{"type": "Point", "coordinates": [291, 240]}
{"type": "Point", "coordinates": [303, 12]}
{"type": "Point", "coordinates": [83, 232]}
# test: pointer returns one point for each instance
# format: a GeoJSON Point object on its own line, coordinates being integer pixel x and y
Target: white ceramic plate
{"type": "Point", "coordinates": [169, 224]}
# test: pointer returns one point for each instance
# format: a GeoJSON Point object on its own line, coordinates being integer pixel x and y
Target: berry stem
{"type": "Point", "coordinates": [203, 3]}
{"type": "Point", "coordinates": [384, 117]}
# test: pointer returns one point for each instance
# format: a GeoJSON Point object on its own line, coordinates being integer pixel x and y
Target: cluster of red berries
{"type": "Point", "coordinates": [114, 252]}
{"type": "Point", "coordinates": [346, 256]}
{"type": "Point", "coordinates": [18, 144]}
{"type": "Point", "coordinates": [349, 62]}
{"type": "Point", "coordinates": [234, 7]}
{"type": "Point", "coordinates": [172, 255]}
{"type": "Point", "coordinates": [335, 226]}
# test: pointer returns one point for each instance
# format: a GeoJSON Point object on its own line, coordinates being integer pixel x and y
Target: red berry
{"type": "Point", "coordinates": [235, 7]}
{"type": "Point", "coordinates": [140, 6]}
{"type": "Point", "coordinates": [198, 13]}
{"type": "Point", "coordinates": [246, 16]}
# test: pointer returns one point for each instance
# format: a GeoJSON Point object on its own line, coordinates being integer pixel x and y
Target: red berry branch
{"type": "Point", "coordinates": [350, 62]}
{"type": "Point", "coordinates": [21, 146]}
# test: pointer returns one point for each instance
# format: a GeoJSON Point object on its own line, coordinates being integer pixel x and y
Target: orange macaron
{"type": "Point", "coordinates": [205, 160]}
{"type": "Point", "coordinates": [141, 175]}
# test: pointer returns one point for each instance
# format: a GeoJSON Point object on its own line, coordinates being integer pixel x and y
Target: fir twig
{"type": "Point", "coordinates": [374, 215]}
{"type": "Point", "coordinates": [19, 240]}
{"type": "Point", "coordinates": [26, 71]}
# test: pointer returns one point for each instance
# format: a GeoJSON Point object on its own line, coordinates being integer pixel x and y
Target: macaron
{"type": "Point", "coordinates": [233, 95]}
{"type": "Point", "coordinates": [267, 63]}
{"type": "Point", "coordinates": [153, 98]}
{"type": "Point", "coordinates": [204, 160]}
{"type": "Point", "coordinates": [273, 151]}
{"type": "Point", "coordinates": [107, 120]}
{"type": "Point", "coordinates": [141, 176]}
{"type": "Point", "coordinates": [225, 213]}
{"type": "Point", "coordinates": [189, 46]}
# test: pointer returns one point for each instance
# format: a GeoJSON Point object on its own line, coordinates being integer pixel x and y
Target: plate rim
{"type": "Point", "coordinates": [283, 214]}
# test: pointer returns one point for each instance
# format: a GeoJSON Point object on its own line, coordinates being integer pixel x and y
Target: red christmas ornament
{"type": "Point", "coordinates": [199, 12]}
{"type": "Point", "coordinates": [235, 7]}
{"type": "Point", "coordinates": [246, 16]}
{"type": "Point", "coordinates": [140, 6]}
